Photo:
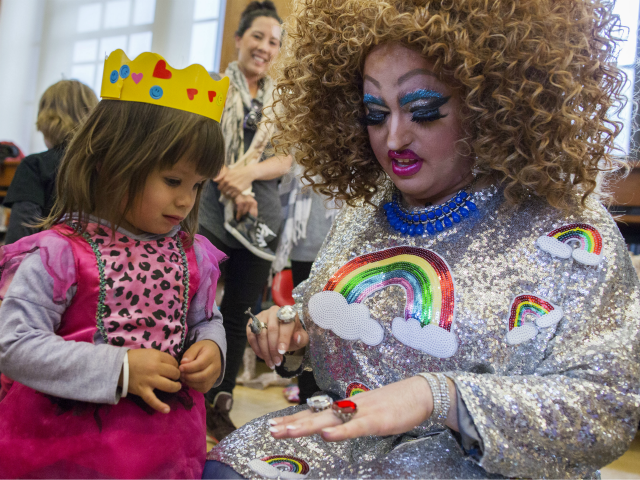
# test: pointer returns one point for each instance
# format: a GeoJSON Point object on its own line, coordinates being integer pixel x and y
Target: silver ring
{"type": "Point", "coordinates": [286, 314]}
{"type": "Point", "coordinates": [344, 410]}
{"type": "Point", "coordinates": [319, 403]}
{"type": "Point", "coordinates": [256, 325]}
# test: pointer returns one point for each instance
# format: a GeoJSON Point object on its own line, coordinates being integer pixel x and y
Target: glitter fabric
{"type": "Point", "coordinates": [561, 405]}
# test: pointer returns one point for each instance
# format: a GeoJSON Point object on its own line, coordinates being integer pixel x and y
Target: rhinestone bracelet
{"type": "Point", "coordinates": [435, 393]}
{"type": "Point", "coordinates": [446, 401]}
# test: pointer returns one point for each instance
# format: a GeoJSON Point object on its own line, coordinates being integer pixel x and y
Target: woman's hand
{"type": "Point", "coordinates": [233, 181]}
{"type": "Point", "coordinates": [278, 338]}
{"type": "Point", "coordinates": [393, 409]}
{"type": "Point", "coordinates": [149, 369]}
{"type": "Point", "coordinates": [245, 204]}
{"type": "Point", "coordinates": [200, 365]}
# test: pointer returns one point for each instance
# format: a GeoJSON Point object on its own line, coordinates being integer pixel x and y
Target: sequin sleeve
{"type": "Point", "coordinates": [577, 409]}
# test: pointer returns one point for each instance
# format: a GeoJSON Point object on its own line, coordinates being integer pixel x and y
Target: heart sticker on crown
{"type": "Point", "coordinates": [161, 70]}
{"type": "Point", "coordinates": [191, 92]}
{"type": "Point", "coordinates": [137, 77]}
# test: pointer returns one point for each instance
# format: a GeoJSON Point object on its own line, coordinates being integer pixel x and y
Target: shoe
{"type": "Point", "coordinates": [253, 234]}
{"type": "Point", "coordinates": [219, 425]}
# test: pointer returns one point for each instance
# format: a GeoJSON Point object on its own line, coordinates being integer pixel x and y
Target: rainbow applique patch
{"type": "Point", "coordinates": [429, 308]}
{"type": "Point", "coordinates": [530, 307]}
{"type": "Point", "coordinates": [578, 240]}
{"type": "Point", "coordinates": [282, 466]}
{"type": "Point", "coordinates": [354, 388]}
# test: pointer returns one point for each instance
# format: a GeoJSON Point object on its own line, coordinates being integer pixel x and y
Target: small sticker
{"type": "Point", "coordinates": [124, 71]}
{"type": "Point", "coordinates": [137, 77]}
{"type": "Point", "coordinates": [113, 78]}
{"type": "Point", "coordinates": [191, 92]}
{"type": "Point", "coordinates": [160, 71]}
{"type": "Point", "coordinates": [212, 95]}
{"type": "Point", "coordinates": [156, 92]}
{"type": "Point", "coordinates": [220, 100]}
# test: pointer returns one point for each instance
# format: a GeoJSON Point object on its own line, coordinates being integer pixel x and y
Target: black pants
{"type": "Point", "coordinates": [306, 382]}
{"type": "Point", "coordinates": [245, 276]}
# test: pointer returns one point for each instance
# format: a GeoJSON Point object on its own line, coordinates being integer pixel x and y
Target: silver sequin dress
{"type": "Point", "coordinates": [550, 394]}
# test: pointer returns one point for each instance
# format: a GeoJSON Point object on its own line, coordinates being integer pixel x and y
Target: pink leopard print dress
{"type": "Point", "coordinates": [137, 295]}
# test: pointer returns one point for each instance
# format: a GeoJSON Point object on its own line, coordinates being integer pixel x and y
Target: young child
{"type": "Point", "coordinates": [109, 326]}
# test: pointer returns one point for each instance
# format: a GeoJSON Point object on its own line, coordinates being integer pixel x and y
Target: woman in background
{"type": "Point", "coordinates": [31, 194]}
{"type": "Point", "coordinates": [240, 209]}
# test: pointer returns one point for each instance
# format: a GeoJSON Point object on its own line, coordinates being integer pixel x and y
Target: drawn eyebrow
{"type": "Point", "coordinates": [421, 94]}
{"type": "Point", "coordinates": [372, 80]}
{"type": "Point", "coordinates": [413, 73]}
{"type": "Point", "coordinates": [373, 100]}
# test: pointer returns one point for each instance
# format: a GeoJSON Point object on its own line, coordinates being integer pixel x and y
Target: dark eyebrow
{"type": "Point", "coordinates": [375, 82]}
{"type": "Point", "coordinates": [413, 73]}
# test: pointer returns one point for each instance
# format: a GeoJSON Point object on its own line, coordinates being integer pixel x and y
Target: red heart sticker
{"type": "Point", "coordinates": [191, 92]}
{"type": "Point", "coordinates": [212, 95]}
{"type": "Point", "coordinates": [161, 70]}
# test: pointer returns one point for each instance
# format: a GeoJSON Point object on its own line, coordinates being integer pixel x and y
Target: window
{"type": "Point", "coordinates": [105, 26]}
{"type": "Point", "coordinates": [628, 12]}
{"type": "Point", "coordinates": [206, 33]}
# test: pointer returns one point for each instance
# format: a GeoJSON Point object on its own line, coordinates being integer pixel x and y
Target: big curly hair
{"type": "Point", "coordinates": [537, 78]}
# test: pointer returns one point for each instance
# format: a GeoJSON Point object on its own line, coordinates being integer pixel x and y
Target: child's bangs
{"type": "Point", "coordinates": [198, 139]}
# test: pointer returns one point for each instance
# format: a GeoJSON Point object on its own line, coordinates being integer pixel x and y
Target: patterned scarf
{"type": "Point", "coordinates": [238, 99]}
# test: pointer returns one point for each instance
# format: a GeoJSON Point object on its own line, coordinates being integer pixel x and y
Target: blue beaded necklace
{"type": "Point", "coordinates": [432, 219]}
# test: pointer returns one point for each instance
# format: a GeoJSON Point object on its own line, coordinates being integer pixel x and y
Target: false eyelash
{"type": "Point", "coordinates": [423, 116]}
{"type": "Point", "coordinates": [373, 119]}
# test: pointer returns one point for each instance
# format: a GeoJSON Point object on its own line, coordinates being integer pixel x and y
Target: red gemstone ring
{"type": "Point", "coordinates": [344, 410]}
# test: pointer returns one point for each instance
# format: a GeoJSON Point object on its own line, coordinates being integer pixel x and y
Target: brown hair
{"type": "Point", "coordinates": [118, 146]}
{"type": "Point", "coordinates": [62, 106]}
{"type": "Point", "coordinates": [537, 79]}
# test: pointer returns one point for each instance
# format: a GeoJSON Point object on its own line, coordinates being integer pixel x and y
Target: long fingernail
{"type": "Point", "coordinates": [274, 429]}
{"type": "Point", "coordinates": [278, 363]}
{"type": "Point", "coordinates": [291, 427]}
{"type": "Point", "coordinates": [271, 366]}
{"type": "Point", "coordinates": [298, 338]}
{"type": "Point", "coordinates": [328, 430]}
{"type": "Point", "coordinates": [282, 349]}
{"type": "Point", "coordinates": [273, 422]}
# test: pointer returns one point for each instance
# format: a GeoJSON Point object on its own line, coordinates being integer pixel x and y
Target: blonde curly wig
{"type": "Point", "coordinates": [537, 77]}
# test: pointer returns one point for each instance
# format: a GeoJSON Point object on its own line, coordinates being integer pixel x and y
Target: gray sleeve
{"type": "Point", "coordinates": [22, 213]}
{"type": "Point", "coordinates": [207, 328]}
{"type": "Point", "coordinates": [31, 352]}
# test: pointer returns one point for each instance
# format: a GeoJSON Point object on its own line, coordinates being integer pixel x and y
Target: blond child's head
{"type": "Point", "coordinates": [62, 107]}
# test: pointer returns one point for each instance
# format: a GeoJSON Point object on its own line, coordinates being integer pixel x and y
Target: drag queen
{"type": "Point", "coordinates": [473, 312]}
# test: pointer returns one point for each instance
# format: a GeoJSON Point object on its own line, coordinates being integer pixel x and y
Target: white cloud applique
{"type": "Point", "coordinates": [430, 339]}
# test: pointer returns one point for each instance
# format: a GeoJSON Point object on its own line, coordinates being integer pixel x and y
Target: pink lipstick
{"type": "Point", "coordinates": [405, 168]}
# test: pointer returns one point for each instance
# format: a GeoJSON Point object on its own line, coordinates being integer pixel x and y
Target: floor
{"type": "Point", "coordinates": [251, 403]}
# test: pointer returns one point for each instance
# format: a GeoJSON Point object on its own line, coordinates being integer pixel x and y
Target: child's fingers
{"type": "Point", "coordinates": [166, 385]}
{"type": "Point", "coordinates": [150, 399]}
{"type": "Point", "coordinates": [169, 371]}
{"type": "Point", "coordinates": [168, 359]}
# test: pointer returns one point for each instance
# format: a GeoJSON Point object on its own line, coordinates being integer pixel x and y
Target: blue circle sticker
{"type": "Point", "coordinates": [114, 76]}
{"type": "Point", "coordinates": [155, 92]}
{"type": "Point", "coordinates": [124, 71]}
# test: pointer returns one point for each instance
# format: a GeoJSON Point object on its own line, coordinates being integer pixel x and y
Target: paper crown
{"type": "Point", "coordinates": [149, 79]}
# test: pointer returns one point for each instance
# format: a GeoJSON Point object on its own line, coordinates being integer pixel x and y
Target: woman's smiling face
{"type": "Point", "coordinates": [414, 123]}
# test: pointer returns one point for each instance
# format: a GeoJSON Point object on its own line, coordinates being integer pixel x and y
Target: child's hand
{"type": "Point", "coordinates": [149, 369]}
{"type": "Point", "coordinates": [200, 366]}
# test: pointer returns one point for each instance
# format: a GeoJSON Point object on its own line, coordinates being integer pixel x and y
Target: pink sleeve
{"type": "Point", "coordinates": [56, 255]}
{"type": "Point", "coordinates": [209, 273]}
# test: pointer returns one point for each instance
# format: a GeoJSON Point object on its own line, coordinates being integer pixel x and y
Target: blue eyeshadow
{"type": "Point", "coordinates": [374, 100]}
{"type": "Point", "coordinates": [419, 95]}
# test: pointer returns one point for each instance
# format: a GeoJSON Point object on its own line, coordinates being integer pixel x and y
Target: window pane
{"type": "Point", "coordinates": [138, 43]}
{"type": "Point", "coordinates": [85, 73]}
{"type": "Point", "coordinates": [628, 11]}
{"type": "Point", "coordinates": [204, 37]}
{"type": "Point", "coordinates": [98, 83]}
{"type": "Point", "coordinates": [117, 14]}
{"type": "Point", "coordinates": [206, 9]}
{"type": "Point", "coordinates": [144, 12]}
{"type": "Point", "coordinates": [85, 51]}
{"type": "Point", "coordinates": [89, 17]}
{"type": "Point", "coordinates": [109, 44]}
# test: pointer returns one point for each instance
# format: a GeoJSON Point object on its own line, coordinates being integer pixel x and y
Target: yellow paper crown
{"type": "Point", "coordinates": [149, 79]}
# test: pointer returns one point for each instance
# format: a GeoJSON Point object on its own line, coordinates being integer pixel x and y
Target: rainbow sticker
{"type": "Point", "coordinates": [579, 240]}
{"type": "Point", "coordinates": [530, 306]}
{"type": "Point", "coordinates": [280, 466]}
{"type": "Point", "coordinates": [355, 388]}
{"type": "Point", "coordinates": [429, 308]}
